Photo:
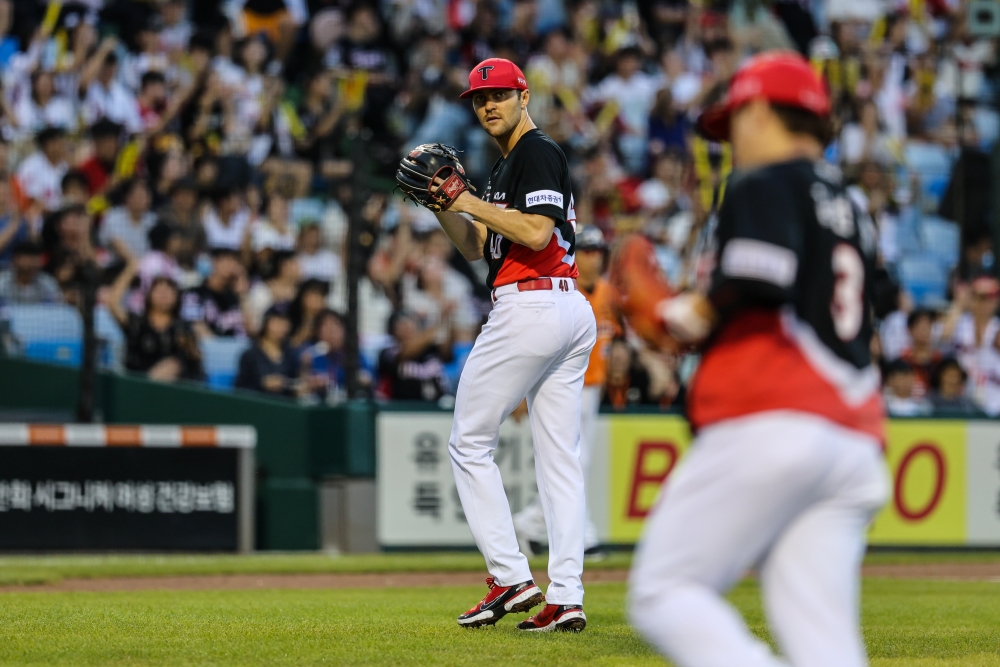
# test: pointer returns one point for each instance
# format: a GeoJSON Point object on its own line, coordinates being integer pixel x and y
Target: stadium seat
{"type": "Point", "coordinates": [932, 165]}
{"type": "Point", "coordinates": [47, 332]}
{"type": "Point", "coordinates": [941, 239]}
{"type": "Point", "coordinates": [221, 358]}
{"type": "Point", "coordinates": [459, 355]}
{"type": "Point", "coordinates": [924, 277]}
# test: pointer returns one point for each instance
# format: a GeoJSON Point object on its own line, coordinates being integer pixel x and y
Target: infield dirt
{"type": "Point", "coordinates": [944, 571]}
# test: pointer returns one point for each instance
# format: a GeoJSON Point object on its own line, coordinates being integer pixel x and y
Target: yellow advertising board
{"type": "Point", "coordinates": [643, 451]}
{"type": "Point", "coordinates": [928, 499]}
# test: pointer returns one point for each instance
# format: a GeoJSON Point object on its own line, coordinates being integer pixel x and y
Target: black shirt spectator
{"type": "Point", "coordinates": [214, 308]}
{"type": "Point", "coordinates": [412, 368]}
{"type": "Point", "coordinates": [271, 366]}
{"type": "Point", "coordinates": [159, 343]}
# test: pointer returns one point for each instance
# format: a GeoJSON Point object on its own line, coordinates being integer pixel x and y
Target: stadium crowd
{"type": "Point", "coordinates": [198, 161]}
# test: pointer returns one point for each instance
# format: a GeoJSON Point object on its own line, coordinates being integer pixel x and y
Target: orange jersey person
{"type": "Point", "coordinates": [608, 328]}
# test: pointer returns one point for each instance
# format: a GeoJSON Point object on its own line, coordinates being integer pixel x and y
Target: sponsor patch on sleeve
{"type": "Point", "coordinates": [759, 260]}
{"type": "Point", "coordinates": [540, 197]}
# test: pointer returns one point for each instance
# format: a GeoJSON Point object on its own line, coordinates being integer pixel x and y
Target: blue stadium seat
{"type": "Point", "coordinates": [924, 277]}
{"type": "Point", "coordinates": [932, 164]}
{"type": "Point", "coordinates": [459, 355]}
{"type": "Point", "coordinates": [47, 332]}
{"type": "Point", "coordinates": [221, 358]}
{"type": "Point", "coordinates": [941, 238]}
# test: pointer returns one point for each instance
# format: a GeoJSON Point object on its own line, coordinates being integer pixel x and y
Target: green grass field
{"type": "Point", "coordinates": [920, 623]}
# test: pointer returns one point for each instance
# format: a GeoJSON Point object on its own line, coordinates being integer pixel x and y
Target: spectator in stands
{"type": "Point", "coordinates": [176, 29]}
{"type": "Point", "coordinates": [14, 227]}
{"type": "Point", "coordinates": [973, 329]}
{"type": "Point", "coordinates": [125, 228]}
{"type": "Point", "coordinates": [44, 107]}
{"type": "Point", "coordinates": [159, 343]}
{"type": "Point", "coordinates": [215, 308]}
{"type": "Point", "coordinates": [75, 189]}
{"type": "Point", "coordinates": [152, 100]}
{"type": "Point", "coordinates": [438, 302]}
{"type": "Point", "coordinates": [66, 237]}
{"type": "Point", "coordinates": [270, 365]}
{"type": "Point", "coordinates": [280, 288]}
{"type": "Point", "coordinates": [40, 174]}
{"type": "Point", "coordinates": [633, 92]}
{"type": "Point", "coordinates": [949, 382]}
{"type": "Point", "coordinates": [865, 139]}
{"type": "Point", "coordinates": [668, 128]}
{"type": "Point", "coordinates": [181, 211]}
{"type": "Point", "coordinates": [100, 166]}
{"type": "Point", "coordinates": [325, 359]}
{"type": "Point", "coordinates": [273, 232]}
{"type": "Point", "coordinates": [900, 399]}
{"type": "Point", "coordinates": [104, 95]}
{"type": "Point", "coordinates": [921, 355]}
{"type": "Point", "coordinates": [24, 282]}
{"type": "Point", "coordinates": [227, 221]}
{"type": "Point", "coordinates": [307, 305]}
{"type": "Point", "coordinates": [412, 367]}
{"type": "Point", "coordinates": [161, 259]}
{"type": "Point", "coordinates": [627, 383]}
{"type": "Point", "coordinates": [315, 260]}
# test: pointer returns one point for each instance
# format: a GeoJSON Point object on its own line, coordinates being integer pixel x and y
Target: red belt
{"type": "Point", "coordinates": [540, 284]}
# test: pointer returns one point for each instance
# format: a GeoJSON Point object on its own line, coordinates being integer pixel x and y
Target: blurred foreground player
{"type": "Point", "coordinates": [591, 256]}
{"type": "Point", "coordinates": [535, 344]}
{"type": "Point", "coordinates": [787, 469]}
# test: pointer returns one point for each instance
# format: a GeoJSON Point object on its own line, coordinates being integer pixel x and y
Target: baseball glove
{"type": "Point", "coordinates": [432, 176]}
{"type": "Point", "coordinates": [641, 287]}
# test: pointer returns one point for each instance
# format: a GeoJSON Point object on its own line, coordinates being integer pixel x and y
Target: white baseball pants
{"type": "Point", "coordinates": [530, 522]}
{"type": "Point", "coordinates": [787, 491]}
{"type": "Point", "coordinates": [535, 345]}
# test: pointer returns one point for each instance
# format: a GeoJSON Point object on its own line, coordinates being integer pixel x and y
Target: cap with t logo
{"type": "Point", "coordinates": [495, 73]}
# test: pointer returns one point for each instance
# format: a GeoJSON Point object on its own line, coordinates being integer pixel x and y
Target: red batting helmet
{"type": "Point", "coordinates": [781, 77]}
{"type": "Point", "coordinates": [495, 73]}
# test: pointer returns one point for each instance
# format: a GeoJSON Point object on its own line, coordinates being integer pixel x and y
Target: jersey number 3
{"type": "Point", "coordinates": [847, 308]}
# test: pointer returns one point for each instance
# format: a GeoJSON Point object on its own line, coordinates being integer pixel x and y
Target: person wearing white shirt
{"type": "Point", "coordinates": [226, 223]}
{"type": "Point", "coordinates": [43, 107]}
{"type": "Point", "coordinates": [634, 92]}
{"type": "Point", "coordinates": [106, 97]}
{"type": "Point", "coordinates": [315, 261]}
{"type": "Point", "coordinates": [273, 232]}
{"type": "Point", "coordinates": [40, 174]}
{"type": "Point", "coordinates": [973, 330]}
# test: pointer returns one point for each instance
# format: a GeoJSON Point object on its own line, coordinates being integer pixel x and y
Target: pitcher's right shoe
{"type": "Point", "coordinates": [500, 601]}
{"type": "Point", "coordinates": [565, 617]}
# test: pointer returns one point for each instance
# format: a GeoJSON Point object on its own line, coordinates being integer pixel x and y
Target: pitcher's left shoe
{"type": "Point", "coordinates": [567, 617]}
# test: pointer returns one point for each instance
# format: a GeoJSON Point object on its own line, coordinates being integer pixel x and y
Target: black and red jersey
{"type": "Point", "coordinates": [533, 178]}
{"type": "Point", "coordinates": [792, 281]}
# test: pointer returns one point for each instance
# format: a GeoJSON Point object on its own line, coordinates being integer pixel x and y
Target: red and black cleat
{"type": "Point", "coordinates": [566, 617]}
{"type": "Point", "coordinates": [500, 601]}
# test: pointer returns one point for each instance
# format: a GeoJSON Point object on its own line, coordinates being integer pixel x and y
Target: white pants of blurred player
{"type": "Point", "coordinates": [535, 345]}
{"type": "Point", "coordinates": [530, 522]}
{"type": "Point", "coordinates": [788, 492]}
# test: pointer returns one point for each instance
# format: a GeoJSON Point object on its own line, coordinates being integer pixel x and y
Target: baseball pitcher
{"type": "Point", "coordinates": [535, 344]}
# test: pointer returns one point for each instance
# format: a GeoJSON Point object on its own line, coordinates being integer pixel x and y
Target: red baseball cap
{"type": "Point", "coordinates": [495, 73]}
{"type": "Point", "coordinates": [781, 77]}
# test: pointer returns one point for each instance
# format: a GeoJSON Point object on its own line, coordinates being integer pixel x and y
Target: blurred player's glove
{"type": "Point", "coordinates": [642, 289]}
{"type": "Point", "coordinates": [432, 176]}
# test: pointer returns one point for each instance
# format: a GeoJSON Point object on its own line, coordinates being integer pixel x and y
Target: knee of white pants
{"type": "Point", "coordinates": [654, 607]}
